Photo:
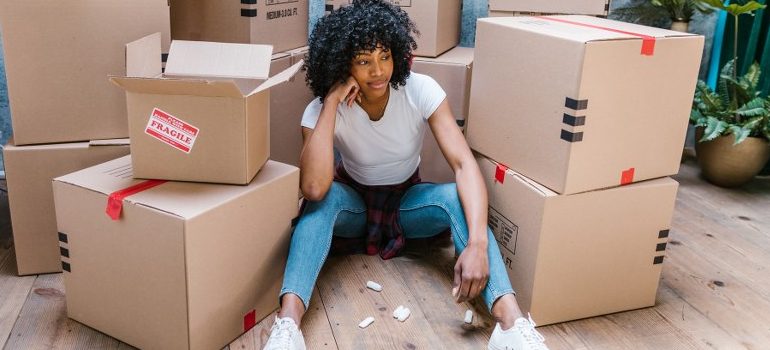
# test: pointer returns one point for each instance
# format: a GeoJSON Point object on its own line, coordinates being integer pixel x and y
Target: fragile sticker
{"type": "Point", "coordinates": [171, 130]}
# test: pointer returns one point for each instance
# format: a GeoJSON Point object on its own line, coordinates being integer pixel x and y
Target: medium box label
{"type": "Point", "coordinates": [171, 130]}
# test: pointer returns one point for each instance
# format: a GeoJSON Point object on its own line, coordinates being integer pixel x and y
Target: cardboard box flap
{"type": "Point", "coordinates": [545, 191]}
{"type": "Point", "coordinates": [458, 55]}
{"type": "Point", "coordinates": [179, 87]}
{"type": "Point", "coordinates": [281, 77]}
{"type": "Point", "coordinates": [218, 60]}
{"type": "Point", "coordinates": [183, 199]}
{"type": "Point", "coordinates": [583, 28]}
{"type": "Point", "coordinates": [143, 57]}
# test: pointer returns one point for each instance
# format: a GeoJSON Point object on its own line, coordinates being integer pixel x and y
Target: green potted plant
{"type": "Point", "coordinates": [658, 12]}
{"type": "Point", "coordinates": [733, 122]}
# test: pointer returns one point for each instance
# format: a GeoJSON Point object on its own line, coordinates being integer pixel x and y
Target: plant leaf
{"type": "Point", "coordinates": [697, 118]}
{"type": "Point", "coordinates": [714, 128]}
{"type": "Point", "coordinates": [753, 108]}
{"type": "Point", "coordinates": [749, 7]}
{"type": "Point", "coordinates": [708, 98]}
{"type": "Point", "coordinates": [740, 133]}
{"type": "Point", "coordinates": [715, 4]}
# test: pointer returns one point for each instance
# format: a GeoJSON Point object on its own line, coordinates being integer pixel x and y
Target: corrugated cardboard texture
{"type": "Point", "coordinates": [180, 256]}
{"type": "Point", "coordinates": [287, 104]}
{"type": "Point", "coordinates": [581, 255]}
{"type": "Point", "coordinates": [529, 72]}
{"type": "Point", "coordinates": [437, 20]}
{"type": "Point", "coordinates": [282, 24]}
{"type": "Point", "coordinates": [575, 7]}
{"type": "Point", "coordinates": [57, 58]}
{"type": "Point", "coordinates": [29, 171]}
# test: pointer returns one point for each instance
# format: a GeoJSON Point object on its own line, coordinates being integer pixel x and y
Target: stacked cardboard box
{"type": "Point", "coordinates": [287, 105]}
{"type": "Point", "coordinates": [499, 8]}
{"type": "Point", "coordinates": [170, 256]}
{"type": "Point", "coordinates": [56, 66]}
{"type": "Point", "coordinates": [57, 55]}
{"type": "Point", "coordinates": [175, 265]}
{"type": "Point", "coordinates": [282, 24]}
{"type": "Point", "coordinates": [29, 171]}
{"type": "Point", "coordinates": [564, 110]}
{"type": "Point", "coordinates": [437, 20]}
{"type": "Point", "coordinates": [207, 119]}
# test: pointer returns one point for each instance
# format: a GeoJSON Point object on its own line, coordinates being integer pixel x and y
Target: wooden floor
{"type": "Point", "coordinates": [714, 293]}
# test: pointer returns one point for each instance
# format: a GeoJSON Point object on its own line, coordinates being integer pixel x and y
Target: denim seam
{"type": "Point", "coordinates": [328, 246]}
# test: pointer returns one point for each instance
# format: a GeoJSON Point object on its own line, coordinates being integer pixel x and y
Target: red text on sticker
{"type": "Point", "coordinates": [171, 131]}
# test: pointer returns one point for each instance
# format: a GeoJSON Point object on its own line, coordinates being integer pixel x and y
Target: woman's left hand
{"type": "Point", "coordinates": [471, 273]}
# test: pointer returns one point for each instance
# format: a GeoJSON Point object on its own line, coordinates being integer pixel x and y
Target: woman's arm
{"type": "Point", "coordinates": [472, 268]}
{"type": "Point", "coordinates": [317, 160]}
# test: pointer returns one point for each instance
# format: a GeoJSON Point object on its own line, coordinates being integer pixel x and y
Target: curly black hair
{"type": "Point", "coordinates": [363, 25]}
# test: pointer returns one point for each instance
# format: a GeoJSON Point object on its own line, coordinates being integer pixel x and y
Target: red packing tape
{"type": "Point", "coordinates": [500, 173]}
{"type": "Point", "coordinates": [648, 42]}
{"type": "Point", "coordinates": [249, 320]}
{"type": "Point", "coordinates": [115, 200]}
{"type": "Point", "coordinates": [627, 176]}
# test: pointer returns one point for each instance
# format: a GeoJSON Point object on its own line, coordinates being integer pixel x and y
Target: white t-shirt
{"type": "Point", "coordinates": [387, 151]}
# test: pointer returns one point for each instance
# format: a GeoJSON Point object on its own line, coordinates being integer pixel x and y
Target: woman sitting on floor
{"type": "Point", "coordinates": [375, 112]}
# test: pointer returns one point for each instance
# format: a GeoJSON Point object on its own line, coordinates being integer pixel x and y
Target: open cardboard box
{"type": "Point", "coordinates": [207, 118]}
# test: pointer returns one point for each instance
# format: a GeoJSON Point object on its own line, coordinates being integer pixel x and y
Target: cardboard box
{"type": "Point", "coordinates": [433, 164]}
{"type": "Point", "coordinates": [580, 255]}
{"type": "Point", "coordinates": [574, 7]}
{"type": "Point", "coordinates": [437, 20]}
{"type": "Point", "coordinates": [185, 265]}
{"type": "Point", "coordinates": [576, 107]}
{"type": "Point", "coordinates": [282, 24]}
{"type": "Point", "coordinates": [29, 171]}
{"type": "Point", "coordinates": [495, 13]}
{"type": "Point", "coordinates": [287, 104]}
{"type": "Point", "coordinates": [207, 119]}
{"type": "Point", "coordinates": [56, 64]}
{"type": "Point", "coordinates": [452, 70]}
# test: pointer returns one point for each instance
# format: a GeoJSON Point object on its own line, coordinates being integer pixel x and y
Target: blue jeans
{"type": "Point", "coordinates": [426, 210]}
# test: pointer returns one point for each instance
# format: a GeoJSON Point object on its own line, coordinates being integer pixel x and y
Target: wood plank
{"type": "Point", "coordinates": [13, 289]}
{"type": "Point", "coordinates": [43, 322]}
{"type": "Point", "coordinates": [429, 272]}
{"type": "Point", "coordinates": [315, 328]}
{"type": "Point", "coordinates": [343, 288]}
{"type": "Point", "coordinates": [13, 292]}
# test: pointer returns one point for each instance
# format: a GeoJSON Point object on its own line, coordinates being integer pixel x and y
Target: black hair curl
{"type": "Point", "coordinates": [348, 30]}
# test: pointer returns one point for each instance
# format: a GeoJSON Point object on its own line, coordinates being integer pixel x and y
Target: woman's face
{"type": "Point", "coordinates": [372, 70]}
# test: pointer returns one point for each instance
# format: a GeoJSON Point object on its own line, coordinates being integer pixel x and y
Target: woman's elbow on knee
{"type": "Point", "coordinates": [314, 192]}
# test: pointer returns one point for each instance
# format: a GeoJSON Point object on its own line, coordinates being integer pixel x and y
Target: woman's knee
{"type": "Point", "coordinates": [336, 197]}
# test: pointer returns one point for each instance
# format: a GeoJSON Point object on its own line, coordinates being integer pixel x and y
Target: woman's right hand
{"type": "Point", "coordinates": [344, 92]}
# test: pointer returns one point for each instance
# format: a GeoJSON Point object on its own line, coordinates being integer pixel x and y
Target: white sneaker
{"type": "Point", "coordinates": [285, 335]}
{"type": "Point", "coordinates": [522, 336]}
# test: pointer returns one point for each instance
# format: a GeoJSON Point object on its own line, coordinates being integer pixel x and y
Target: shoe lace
{"type": "Point", "coordinates": [280, 335]}
{"type": "Point", "coordinates": [532, 337]}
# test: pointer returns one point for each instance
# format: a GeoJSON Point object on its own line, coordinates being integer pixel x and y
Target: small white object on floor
{"type": "Point", "coordinates": [374, 286]}
{"type": "Point", "coordinates": [366, 322]}
{"type": "Point", "coordinates": [469, 316]}
{"type": "Point", "coordinates": [401, 313]}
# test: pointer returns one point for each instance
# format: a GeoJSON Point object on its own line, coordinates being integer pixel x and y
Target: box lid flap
{"type": "Point", "coordinates": [218, 60]}
{"type": "Point", "coordinates": [583, 28]}
{"type": "Point", "coordinates": [183, 199]}
{"type": "Point", "coordinates": [179, 87]}
{"type": "Point", "coordinates": [458, 55]}
{"type": "Point", "coordinates": [143, 57]}
{"type": "Point", "coordinates": [281, 77]}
